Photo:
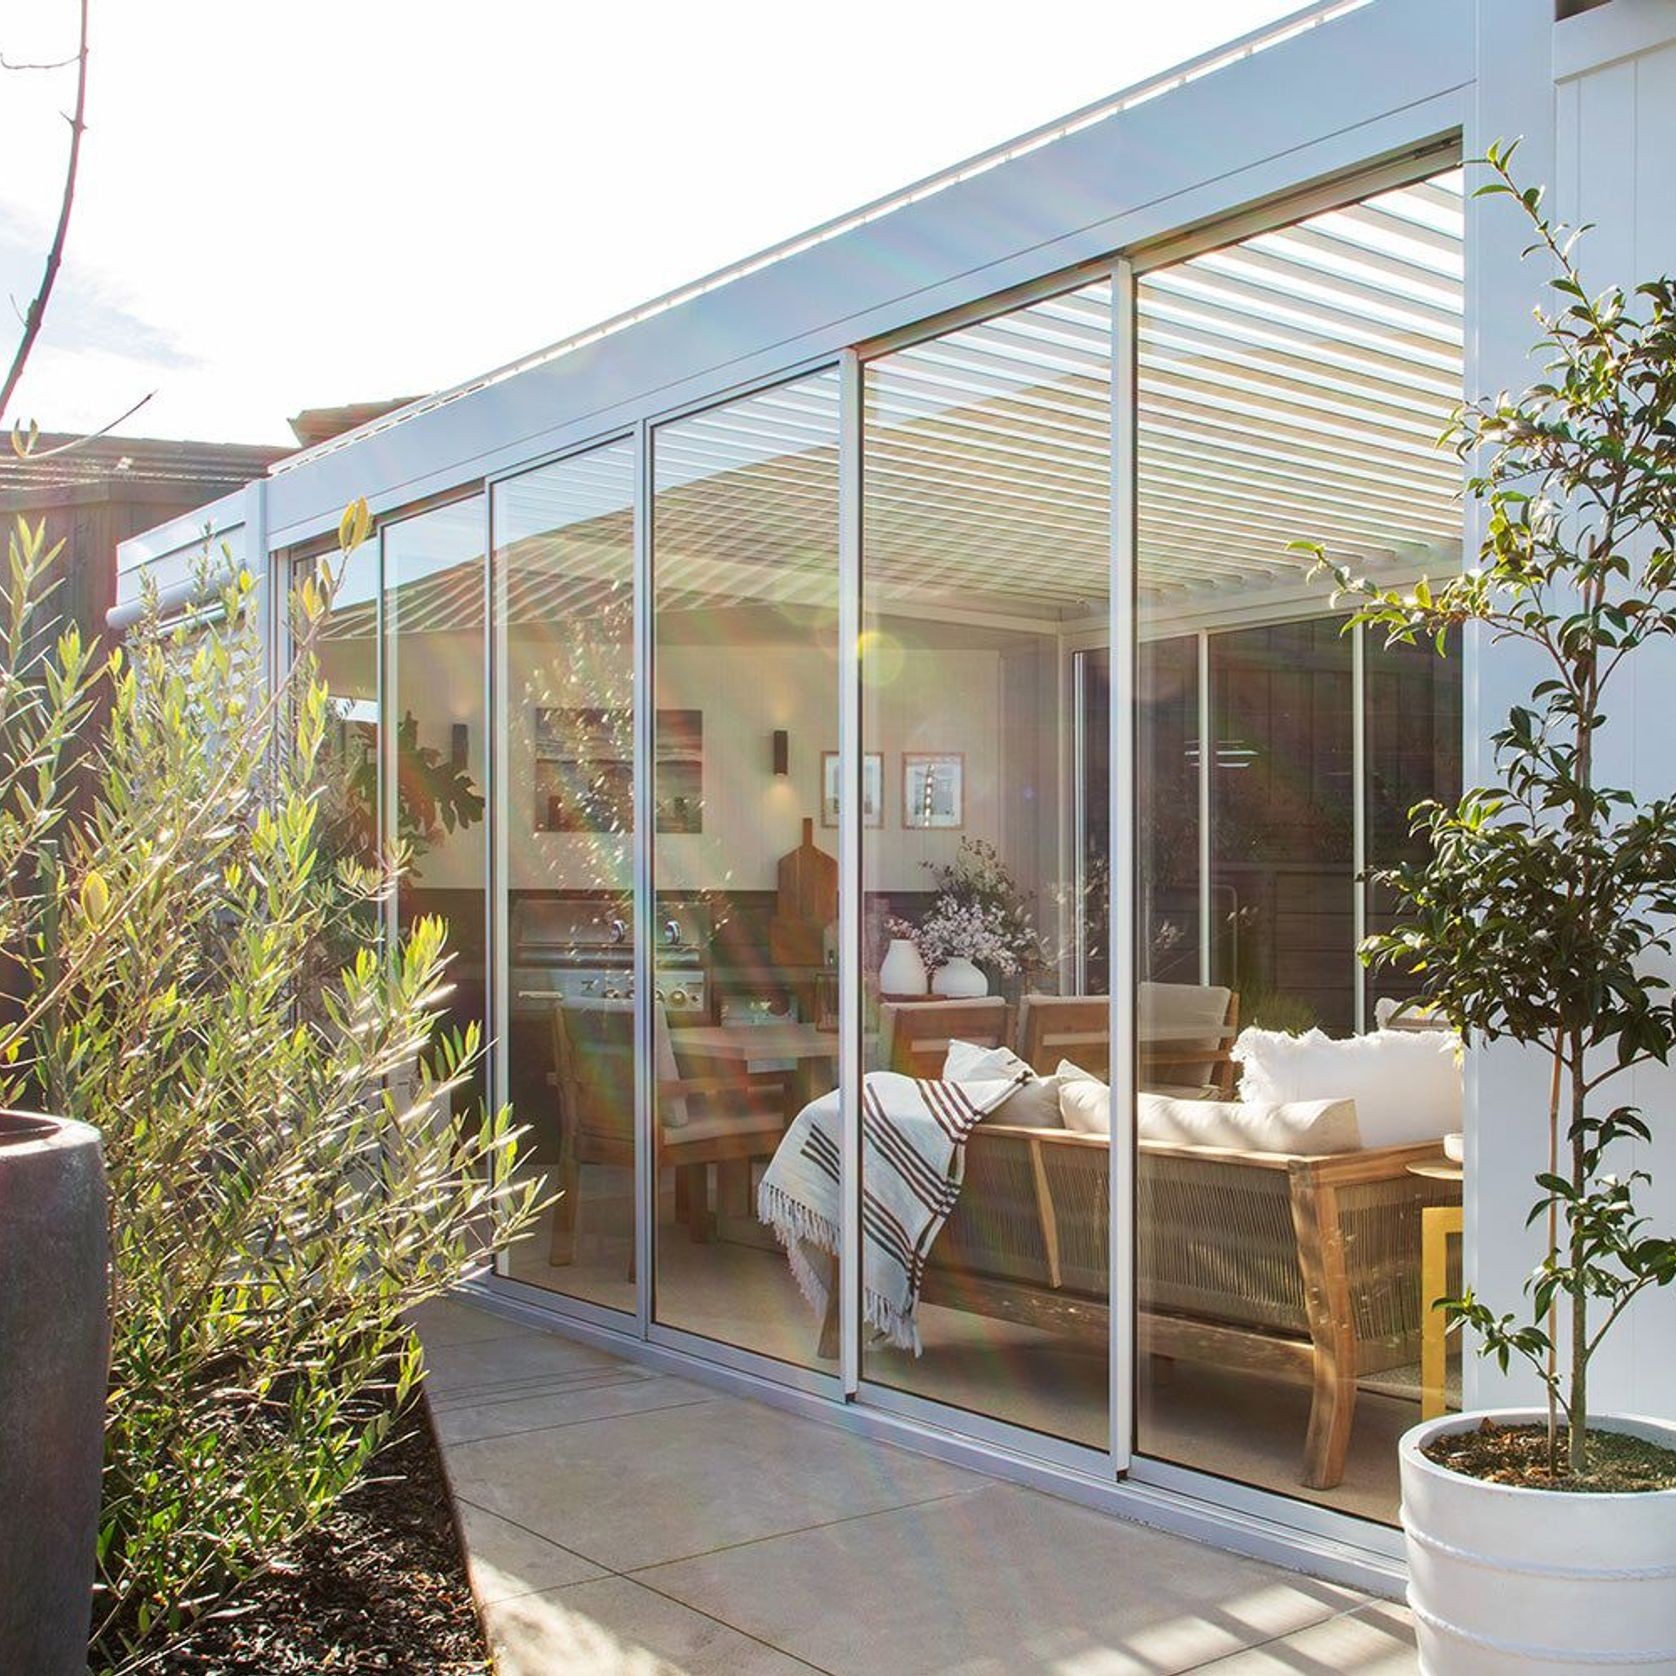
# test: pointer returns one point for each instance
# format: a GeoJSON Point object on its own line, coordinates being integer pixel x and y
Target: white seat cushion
{"type": "Point", "coordinates": [1406, 1083]}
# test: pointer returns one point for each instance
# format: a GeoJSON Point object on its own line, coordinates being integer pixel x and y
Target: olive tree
{"type": "Point", "coordinates": [293, 1156]}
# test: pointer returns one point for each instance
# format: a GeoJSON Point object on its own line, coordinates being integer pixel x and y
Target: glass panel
{"type": "Point", "coordinates": [745, 549]}
{"type": "Point", "coordinates": [564, 659]}
{"type": "Point", "coordinates": [1282, 817]}
{"type": "Point", "coordinates": [347, 650]}
{"type": "Point", "coordinates": [1167, 903]}
{"type": "Point", "coordinates": [435, 739]}
{"type": "Point", "coordinates": [1413, 753]}
{"type": "Point", "coordinates": [1290, 387]}
{"type": "Point", "coordinates": [986, 570]}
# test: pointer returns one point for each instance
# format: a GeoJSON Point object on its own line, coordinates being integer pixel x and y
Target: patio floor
{"type": "Point", "coordinates": [622, 1520]}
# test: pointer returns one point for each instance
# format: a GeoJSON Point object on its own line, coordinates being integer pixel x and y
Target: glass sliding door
{"type": "Point", "coordinates": [564, 685]}
{"type": "Point", "coordinates": [985, 599]}
{"type": "Point", "coordinates": [435, 741]}
{"type": "Point", "coordinates": [1290, 387]}
{"type": "Point", "coordinates": [346, 649]}
{"type": "Point", "coordinates": [744, 851]}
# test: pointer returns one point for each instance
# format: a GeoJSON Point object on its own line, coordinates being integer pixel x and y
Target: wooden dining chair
{"type": "Point", "coordinates": [1074, 1027]}
{"type": "Point", "coordinates": [726, 1116]}
{"type": "Point", "coordinates": [916, 1034]}
{"type": "Point", "coordinates": [1180, 1057]}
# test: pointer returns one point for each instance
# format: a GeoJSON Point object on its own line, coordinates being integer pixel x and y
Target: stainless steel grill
{"type": "Point", "coordinates": [580, 950]}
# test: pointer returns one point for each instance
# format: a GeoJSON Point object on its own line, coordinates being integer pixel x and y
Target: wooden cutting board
{"type": "Point", "coordinates": [807, 903]}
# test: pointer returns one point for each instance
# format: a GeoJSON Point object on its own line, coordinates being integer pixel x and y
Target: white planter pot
{"type": "Point", "coordinates": [1505, 1579]}
{"type": "Point", "coordinates": [902, 972]}
{"type": "Point", "coordinates": [959, 979]}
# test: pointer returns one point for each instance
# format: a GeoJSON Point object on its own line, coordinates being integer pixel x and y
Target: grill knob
{"type": "Point", "coordinates": [677, 998]}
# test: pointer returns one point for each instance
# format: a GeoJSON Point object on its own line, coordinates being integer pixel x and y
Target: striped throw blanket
{"type": "Point", "coordinates": [913, 1159]}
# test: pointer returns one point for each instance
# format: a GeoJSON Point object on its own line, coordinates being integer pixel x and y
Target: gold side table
{"type": "Point", "coordinates": [1438, 1223]}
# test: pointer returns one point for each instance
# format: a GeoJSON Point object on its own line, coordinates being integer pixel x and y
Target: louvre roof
{"type": "Point", "coordinates": [1290, 387]}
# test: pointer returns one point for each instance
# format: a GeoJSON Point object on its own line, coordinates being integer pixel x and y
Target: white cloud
{"type": "Point", "coordinates": [291, 205]}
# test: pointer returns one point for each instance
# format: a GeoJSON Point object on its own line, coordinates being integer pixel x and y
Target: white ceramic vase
{"type": "Point", "coordinates": [959, 979]}
{"type": "Point", "coordinates": [902, 972]}
{"type": "Point", "coordinates": [1504, 1579]}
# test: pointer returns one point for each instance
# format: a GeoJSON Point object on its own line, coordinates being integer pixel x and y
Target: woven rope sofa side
{"type": "Point", "coordinates": [1302, 1267]}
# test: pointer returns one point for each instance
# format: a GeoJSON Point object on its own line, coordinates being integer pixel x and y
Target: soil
{"type": "Point", "coordinates": [380, 1587]}
{"type": "Point", "coordinates": [1518, 1455]}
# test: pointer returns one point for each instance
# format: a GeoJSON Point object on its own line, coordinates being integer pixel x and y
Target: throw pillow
{"type": "Point", "coordinates": [1406, 1083]}
{"type": "Point", "coordinates": [1034, 1106]}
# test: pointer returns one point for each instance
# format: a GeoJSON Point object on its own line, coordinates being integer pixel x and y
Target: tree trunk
{"type": "Point", "coordinates": [1577, 1442]}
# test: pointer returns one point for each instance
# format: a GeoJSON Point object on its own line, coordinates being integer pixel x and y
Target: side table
{"type": "Point", "coordinates": [1438, 1223]}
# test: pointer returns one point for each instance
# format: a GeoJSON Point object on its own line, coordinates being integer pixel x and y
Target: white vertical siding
{"type": "Point", "coordinates": [1599, 122]}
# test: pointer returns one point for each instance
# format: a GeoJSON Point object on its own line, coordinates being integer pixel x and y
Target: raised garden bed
{"type": "Point", "coordinates": [380, 1587]}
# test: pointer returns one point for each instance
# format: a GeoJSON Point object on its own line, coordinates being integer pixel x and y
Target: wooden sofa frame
{"type": "Point", "coordinates": [1303, 1267]}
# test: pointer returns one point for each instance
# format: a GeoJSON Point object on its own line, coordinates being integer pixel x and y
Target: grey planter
{"type": "Point", "coordinates": [54, 1351]}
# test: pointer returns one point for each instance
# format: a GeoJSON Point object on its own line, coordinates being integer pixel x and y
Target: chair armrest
{"type": "Point", "coordinates": [1374, 1163]}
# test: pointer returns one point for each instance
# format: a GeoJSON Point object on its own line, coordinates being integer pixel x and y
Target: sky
{"type": "Point", "coordinates": [318, 202]}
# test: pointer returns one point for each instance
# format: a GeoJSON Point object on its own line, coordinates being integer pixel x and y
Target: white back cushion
{"type": "Point", "coordinates": [1084, 1101]}
{"type": "Point", "coordinates": [1406, 1083]}
{"type": "Point", "coordinates": [1307, 1127]}
{"type": "Point", "coordinates": [1302, 1126]}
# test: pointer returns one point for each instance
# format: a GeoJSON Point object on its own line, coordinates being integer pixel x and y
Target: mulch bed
{"type": "Point", "coordinates": [1518, 1455]}
{"type": "Point", "coordinates": [380, 1587]}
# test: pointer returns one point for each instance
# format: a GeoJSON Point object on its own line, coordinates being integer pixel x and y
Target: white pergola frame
{"type": "Point", "coordinates": [1267, 128]}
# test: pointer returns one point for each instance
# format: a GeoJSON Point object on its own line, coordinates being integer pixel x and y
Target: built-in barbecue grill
{"type": "Point", "coordinates": [580, 951]}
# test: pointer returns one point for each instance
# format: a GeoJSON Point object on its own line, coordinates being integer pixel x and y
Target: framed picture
{"type": "Point", "coordinates": [583, 774]}
{"type": "Point", "coordinates": [872, 788]}
{"type": "Point", "coordinates": [934, 790]}
{"type": "Point", "coordinates": [678, 785]}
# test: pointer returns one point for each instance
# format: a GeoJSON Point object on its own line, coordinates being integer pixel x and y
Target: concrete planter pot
{"type": "Point", "coordinates": [54, 1353]}
{"type": "Point", "coordinates": [1504, 1579]}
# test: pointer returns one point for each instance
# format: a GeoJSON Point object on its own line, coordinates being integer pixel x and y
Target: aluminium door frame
{"type": "Point", "coordinates": [1112, 1460]}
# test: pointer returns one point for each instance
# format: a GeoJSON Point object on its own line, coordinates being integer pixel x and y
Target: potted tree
{"type": "Point", "coordinates": [1547, 1537]}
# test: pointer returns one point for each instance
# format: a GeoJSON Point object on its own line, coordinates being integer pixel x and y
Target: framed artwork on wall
{"type": "Point", "coordinates": [584, 770]}
{"type": "Point", "coordinates": [934, 790]}
{"type": "Point", "coordinates": [872, 788]}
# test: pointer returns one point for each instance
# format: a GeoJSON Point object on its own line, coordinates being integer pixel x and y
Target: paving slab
{"type": "Point", "coordinates": [632, 1490]}
{"type": "Point", "coordinates": [999, 1579]}
{"type": "Point", "coordinates": [506, 1561]}
{"type": "Point", "coordinates": [629, 1523]}
{"type": "Point", "coordinates": [615, 1627]}
{"type": "Point", "coordinates": [1373, 1640]}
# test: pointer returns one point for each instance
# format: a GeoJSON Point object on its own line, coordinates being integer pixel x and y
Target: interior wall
{"type": "Point", "coordinates": [940, 700]}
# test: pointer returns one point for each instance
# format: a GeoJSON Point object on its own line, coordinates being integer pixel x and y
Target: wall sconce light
{"type": "Point", "coordinates": [782, 751]}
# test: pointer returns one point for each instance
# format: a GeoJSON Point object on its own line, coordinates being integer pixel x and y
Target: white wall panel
{"type": "Point", "coordinates": [1599, 120]}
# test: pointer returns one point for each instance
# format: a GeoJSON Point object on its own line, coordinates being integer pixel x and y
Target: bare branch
{"type": "Point", "coordinates": [51, 64]}
{"type": "Point", "coordinates": [55, 255]}
{"type": "Point", "coordinates": [92, 436]}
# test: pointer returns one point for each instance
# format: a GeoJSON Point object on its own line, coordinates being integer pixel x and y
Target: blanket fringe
{"type": "Point", "coordinates": [797, 1227]}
